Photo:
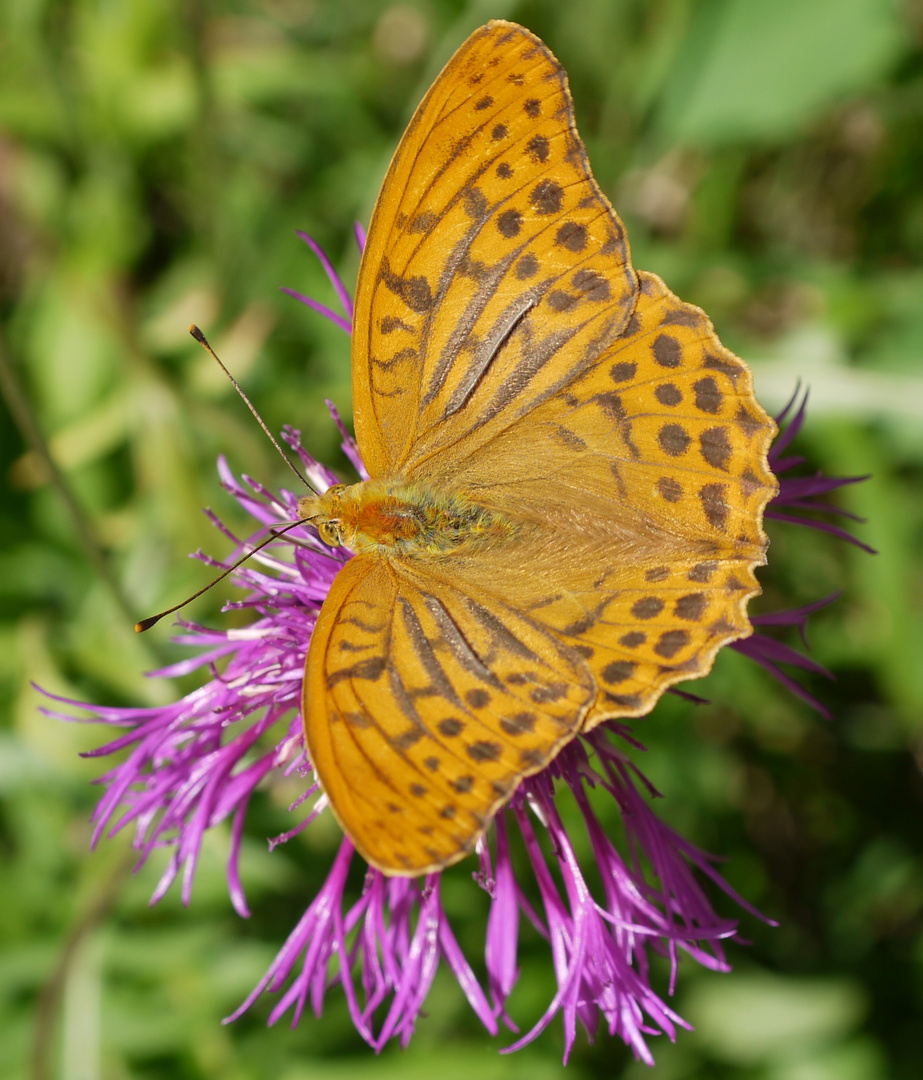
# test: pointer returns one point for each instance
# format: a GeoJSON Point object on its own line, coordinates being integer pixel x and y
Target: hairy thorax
{"type": "Point", "coordinates": [399, 518]}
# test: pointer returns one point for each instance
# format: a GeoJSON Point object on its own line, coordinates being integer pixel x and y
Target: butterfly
{"type": "Point", "coordinates": [567, 473]}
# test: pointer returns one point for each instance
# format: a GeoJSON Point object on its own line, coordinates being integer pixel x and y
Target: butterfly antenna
{"type": "Point", "coordinates": [203, 341]}
{"type": "Point", "coordinates": [146, 624]}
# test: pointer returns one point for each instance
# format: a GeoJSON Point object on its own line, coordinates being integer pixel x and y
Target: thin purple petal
{"type": "Point", "coordinates": [333, 277]}
{"type": "Point", "coordinates": [321, 309]}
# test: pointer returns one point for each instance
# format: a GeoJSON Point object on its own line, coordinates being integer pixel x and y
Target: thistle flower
{"type": "Point", "coordinates": [194, 764]}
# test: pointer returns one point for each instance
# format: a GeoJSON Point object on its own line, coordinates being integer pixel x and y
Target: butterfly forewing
{"type": "Point", "coordinates": [494, 267]}
{"type": "Point", "coordinates": [425, 707]}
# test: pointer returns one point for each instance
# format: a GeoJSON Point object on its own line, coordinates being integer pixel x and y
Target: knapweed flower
{"type": "Point", "coordinates": [192, 765]}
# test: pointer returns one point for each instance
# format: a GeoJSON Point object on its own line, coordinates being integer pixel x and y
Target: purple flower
{"type": "Point", "coordinates": [197, 762]}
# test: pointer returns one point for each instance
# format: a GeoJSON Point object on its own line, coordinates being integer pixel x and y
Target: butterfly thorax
{"type": "Point", "coordinates": [397, 517]}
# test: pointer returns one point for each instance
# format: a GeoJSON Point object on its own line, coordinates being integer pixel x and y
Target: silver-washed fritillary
{"type": "Point", "coordinates": [568, 473]}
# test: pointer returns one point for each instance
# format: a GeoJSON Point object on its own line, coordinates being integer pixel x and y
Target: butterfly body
{"type": "Point", "coordinates": [568, 473]}
{"type": "Point", "coordinates": [394, 518]}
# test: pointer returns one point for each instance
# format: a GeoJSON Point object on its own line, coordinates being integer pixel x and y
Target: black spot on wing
{"type": "Point", "coordinates": [547, 197]}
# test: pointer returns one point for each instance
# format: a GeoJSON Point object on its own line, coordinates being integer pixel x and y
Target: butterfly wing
{"type": "Point", "coordinates": [645, 481]}
{"type": "Point", "coordinates": [494, 269]}
{"type": "Point", "coordinates": [424, 707]}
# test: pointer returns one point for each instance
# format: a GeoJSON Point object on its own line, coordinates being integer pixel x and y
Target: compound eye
{"type": "Point", "coordinates": [335, 489]}
{"type": "Point", "coordinates": [329, 533]}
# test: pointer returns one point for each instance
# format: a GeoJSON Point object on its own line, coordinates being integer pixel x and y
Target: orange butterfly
{"type": "Point", "coordinates": [567, 473]}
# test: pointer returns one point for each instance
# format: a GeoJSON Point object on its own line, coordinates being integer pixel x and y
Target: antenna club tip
{"type": "Point", "coordinates": [196, 333]}
{"type": "Point", "coordinates": [145, 624]}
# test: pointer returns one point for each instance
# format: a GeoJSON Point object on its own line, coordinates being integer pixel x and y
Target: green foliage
{"type": "Point", "coordinates": [155, 159]}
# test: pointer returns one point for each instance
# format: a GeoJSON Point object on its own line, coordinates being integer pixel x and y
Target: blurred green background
{"type": "Point", "coordinates": [156, 157]}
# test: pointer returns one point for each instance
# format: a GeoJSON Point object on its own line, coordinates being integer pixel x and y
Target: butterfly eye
{"type": "Point", "coordinates": [330, 533]}
{"type": "Point", "coordinates": [335, 489]}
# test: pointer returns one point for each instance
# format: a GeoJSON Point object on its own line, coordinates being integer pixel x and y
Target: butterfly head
{"type": "Point", "coordinates": [324, 513]}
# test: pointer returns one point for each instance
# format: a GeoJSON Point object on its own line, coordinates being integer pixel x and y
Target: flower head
{"type": "Point", "coordinates": [196, 763]}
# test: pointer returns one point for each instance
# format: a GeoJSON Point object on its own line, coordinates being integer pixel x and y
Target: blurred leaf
{"type": "Point", "coordinates": [759, 71]}
{"type": "Point", "coordinates": [755, 1018]}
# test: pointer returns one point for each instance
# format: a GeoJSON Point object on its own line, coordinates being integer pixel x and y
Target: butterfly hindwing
{"type": "Point", "coordinates": [424, 707]}
{"type": "Point", "coordinates": [644, 482]}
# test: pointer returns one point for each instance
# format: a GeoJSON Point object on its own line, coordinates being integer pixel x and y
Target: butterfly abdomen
{"type": "Point", "coordinates": [394, 517]}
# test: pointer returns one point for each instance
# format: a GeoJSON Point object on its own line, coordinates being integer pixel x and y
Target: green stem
{"type": "Point", "coordinates": [23, 417]}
